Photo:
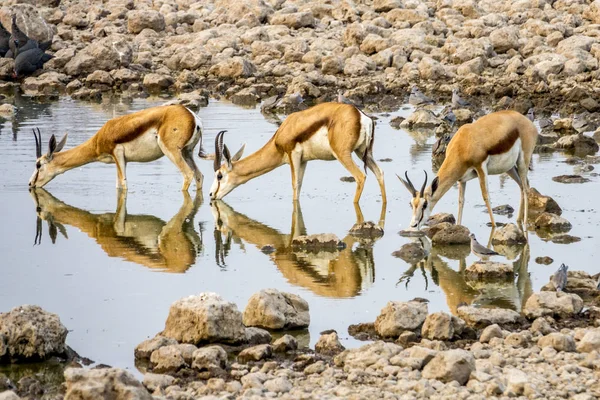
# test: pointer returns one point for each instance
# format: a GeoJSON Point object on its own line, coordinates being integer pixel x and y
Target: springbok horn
{"type": "Point", "coordinates": [218, 150]}
{"type": "Point", "coordinates": [408, 186]}
{"type": "Point", "coordinates": [40, 140]}
{"type": "Point", "coordinates": [424, 184]}
{"type": "Point", "coordinates": [409, 182]}
{"type": "Point", "coordinates": [38, 149]}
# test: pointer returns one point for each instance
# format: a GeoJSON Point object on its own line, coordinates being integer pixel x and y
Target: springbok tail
{"type": "Point", "coordinates": [369, 145]}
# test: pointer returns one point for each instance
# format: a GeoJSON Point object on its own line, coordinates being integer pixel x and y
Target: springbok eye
{"type": "Point", "coordinates": [219, 176]}
{"type": "Point", "coordinates": [425, 204]}
{"type": "Point", "coordinates": [38, 165]}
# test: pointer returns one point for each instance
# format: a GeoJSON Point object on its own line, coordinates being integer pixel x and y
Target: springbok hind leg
{"type": "Point", "coordinates": [348, 163]}
{"type": "Point", "coordinates": [514, 174]}
{"type": "Point", "coordinates": [482, 174]}
{"type": "Point", "coordinates": [188, 156]}
{"type": "Point", "coordinates": [176, 157]}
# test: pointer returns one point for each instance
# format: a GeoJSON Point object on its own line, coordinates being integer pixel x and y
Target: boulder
{"type": "Point", "coordinates": [112, 52]}
{"type": "Point", "coordinates": [489, 271]}
{"type": "Point", "coordinates": [386, 5]}
{"type": "Point", "coordinates": [29, 19]}
{"type": "Point", "coordinates": [318, 242]}
{"type": "Point", "coordinates": [421, 119]}
{"type": "Point", "coordinates": [579, 143]}
{"type": "Point", "coordinates": [592, 12]}
{"type": "Point", "coordinates": [552, 222]}
{"type": "Point", "coordinates": [235, 67]}
{"type": "Point", "coordinates": [46, 84]}
{"type": "Point", "coordinates": [278, 385]}
{"type": "Point", "coordinates": [204, 318]}
{"type": "Point", "coordinates": [504, 39]}
{"type": "Point", "coordinates": [257, 336]}
{"type": "Point", "coordinates": [518, 339]}
{"type": "Point", "coordinates": [285, 343]}
{"type": "Point", "coordinates": [154, 382]}
{"type": "Point", "coordinates": [358, 65]}
{"type": "Point", "coordinates": [31, 333]}
{"type": "Point", "coordinates": [397, 317]}
{"type": "Point", "coordinates": [450, 365]}
{"type": "Point", "coordinates": [227, 12]}
{"type": "Point", "coordinates": [552, 303]}
{"type": "Point", "coordinates": [9, 395]}
{"type": "Point", "coordinates": [442, 326]}
{"type": "Point", "coordinates": [542, 326]}
{"type": "Point", "coordinates": [145, 349]}
{"type": "Point", "coordinates": [295, 20]}
{"type": "Point", "coordinates": [490, 332]}
{"type": "Point", "coordinates": [589, 342]}
{"type": "Point", "coordinates": [431, 69]}
{"type": "Point", "coordinates": [480, 317]}
{"type": "Point", "coordinates": [568, 179]}
{"type": "Point", "coordinates": [557, 341]}
{"type": "Point", "coordinates": [138, 20]}
{"type": "Point", "coordinates": [103, 384]}
{"type": "Point", "coordinates": [209, 358]}
{"type": "Point", "coordinates": [156, 83]}
{"type": "Point", "coordinates": [439, 218]}
{"type": "Point", "coordinates": [168, 359]}
{"type": "Point", "coordinates": [450, 235]}
{"type": "Point", "coordinates": [539, 203]}
{"type": "Point", "coordinates": [366, 355]}
{"type": "Point", "coordinates": [255, 353]}
{"type": "Point", "coordinates": [273, 309]}
{"type": "Point", "coordinates": [509, 234]}
{"type": "Point", "coordinates": [329, 344]}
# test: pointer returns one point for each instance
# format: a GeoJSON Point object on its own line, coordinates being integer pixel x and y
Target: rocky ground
{"type": "Point", "coordinates": [511, 53]}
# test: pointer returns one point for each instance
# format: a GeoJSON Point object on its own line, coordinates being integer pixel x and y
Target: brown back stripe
{"type": "Point", "coordinates": [505, 144]}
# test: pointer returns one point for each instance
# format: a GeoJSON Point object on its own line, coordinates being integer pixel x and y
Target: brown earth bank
{"type": "Point", "coordinates": [511, 54]}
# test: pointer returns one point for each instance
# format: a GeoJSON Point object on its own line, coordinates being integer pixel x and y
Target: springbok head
{"type": "Point", "coordinates": [224, 165]}
{"type": "Point", "coordinates": [45, 169]}
{"type": "Point", "coordinates": [421, 202]}
{"type": "Point", "coordinates": [44, 202]}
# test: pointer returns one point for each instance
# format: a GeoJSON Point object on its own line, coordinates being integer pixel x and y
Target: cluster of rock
{"type": "Point", "coordinates": [256, 48]}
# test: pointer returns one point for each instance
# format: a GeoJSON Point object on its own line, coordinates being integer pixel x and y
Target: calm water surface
{"type": "Point", "coordinates": [115, 264]}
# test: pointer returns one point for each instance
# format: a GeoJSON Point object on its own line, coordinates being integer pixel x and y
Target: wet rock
{"type": "Point", "coordinates": [552, 303]}
{"type": "Point", "coordinates": [255, 353]}
{"type": "Point", "coordinates": [329, 344]}
{"type": "Point", "coordinates": [105, 54]}
{"type": "Point", "coordinates": [236, 67]}
{"type": "Point", "coordinates": [397, 317]}
{"type": "Point", "coordinates": [545, 260]}
{"type": "Point", "coordinates": [167, 359]}
{"type": "Point", "coordinates": [367, 229]}
{"type": "Point", "coordinates": [156, 83]}
{"type": "Point", "coordinates": [204, 318]}
{"type": "Point", "coordinates": [480, 317]}
{"type": "Point", "coordinates": [489, 271]}
{"type": "Point", "coordinates": [411, 252]}
{"type": "Point", "coordinates": [580, 144]}
{"type": "Point", "coordinates": [285, 343]}
{"type": "Point", "coordinates": [153, 382]}
{"type": "Point", "coordinates": [7, 111]}
{"type": "Point", "coordinates": [396, 122]}
{"type": "Point", "coordinates": [564, 239]}
{"type": "Point", "coordinates": [323, 241]}
{"type": "Point", "coordinates": [503, 210]}
{"type": "Point", "coordinates": [145, 349]}
{"type": "Point", "coordinates": [442, 326]}
{"type": "Point", "coordinates": [257, 336]}
{"type": "Point", "coordinates": [347, 179]}
{"type": "Point", "coordinates": [551, 222]}
{"type": "Point", "coordinates": [31, 333]}
{"type": "Point", "coordinates": [590, 342]}
{"type": "Point", "coordinates": [366, 355]}
{"type": "Point", "coordinates": [363, 331]}
{"type": "Point", "coordinates": [539, 203]}
{"type": "Point", "coordinates": [209, 358]}
{"type": "Point", "coordinates": [273, 309]}
{"type": "Point", "coordinates": [47, 84]}
{"type": "Point", "coordinates": [421, 119]}
{"type": "Point", "coordinates": [557, 341]}
{"type": "Point", "coordinates": [449, 234]}
{"type": "Point", "coordinates": [451, 365]}
{"type": "Point", "coordinates": [490, 332]}
{"type": "Point", "coordinates": [105, 383]}
{"type": "Point", "coordinates": [570, 179]}
{"type": "Point", "coordinates": [436, 219]}
{"type": "Point", "coordinates": [509, 234]}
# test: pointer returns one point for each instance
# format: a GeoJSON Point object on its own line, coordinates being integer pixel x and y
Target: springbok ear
{"type": "Point", "coordinates": [239, 153]}
{"type": "Point", "coordinates": [61, 144]}
{"type": "Point", "coordinates": [51, 145]}
{"type": "Point", "coordinates": [434, 184]}
{"type": "Point", "coordinates": [227, 157]}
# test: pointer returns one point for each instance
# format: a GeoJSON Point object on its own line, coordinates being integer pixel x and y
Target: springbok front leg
{"type": "Point", "coordinates": [523, 168]}
{"type": "Point", "coordinates": [462, 187]}
{"type": "Point", "coordinates": [121, 162]}
{"type": "Point", "coordinates": [483, 182]}
{"type": "Point", "coordinates": [298, 167]}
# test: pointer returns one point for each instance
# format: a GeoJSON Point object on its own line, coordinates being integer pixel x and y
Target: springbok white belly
{"type": "Point", "coordinates": [144, 148]}
{"type": "Point", "coordinates": [317, 147]}
{"type": "Point", "coordinates": [500, 163]}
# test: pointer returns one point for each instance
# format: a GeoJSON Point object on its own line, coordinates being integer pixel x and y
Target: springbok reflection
{"type": "Point", "coordinates": [460, 291]}
{"type": "Point", "coordinates": [144, 239]}
{"type": "Point", "coordinates": [338, 274]}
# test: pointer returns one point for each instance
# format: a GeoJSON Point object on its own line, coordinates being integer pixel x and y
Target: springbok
{"type": "Point", "coordinates": [328, 131]}
{"type": "Point", "coordinates": [143, 136]}
{"type": "Point", "coordinates": [494, 144]}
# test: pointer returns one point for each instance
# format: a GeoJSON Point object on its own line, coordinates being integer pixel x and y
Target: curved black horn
{"type": "Point", "coordinates": [408, 185]}
{"type": "Point", "coordinates": [409, 182]}
{"type": "Point", "coordinates": [38, 145]}
{"type": "Point", "coordinates": [424, 184]}
{"type": "Point", "coordinates": [218, 150]}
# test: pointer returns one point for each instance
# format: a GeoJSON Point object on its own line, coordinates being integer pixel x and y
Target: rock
{"type": "Point", "coordinates": [489, 271]}
{"type": "Point", "coordinates": [451, 235]}
{"type": "Point", "coordinates": [153, 382]}
{"type": "Point", "coordinates": [358, 65]}
{"type": "Point", "coordinates": [278, 385]}
{"type": "Point", "coordinates": [386, 5]}
{"type": "Point", "coordinates": [209, 358]}
{"type": "Point", "coordinates": [204, 318]}
{"type": "Point", "coordinates": [255, 353]}
{"type": "Point", "coordinates": [557, 341]}
{"type": "Point", "coordinates": [315, 368]}
{"type": "Point", "coordinates": [366, 355]}
{"type": "Point", "coordinates": [31, 333]}
{"type": "Point", "coordinates": [105, 383]}
{"type": "Point", "coordinates": [236, 67]}
{"type": "Point", "coordinates": [564, 239]}
{"type": "Point", "coordinates": [592, 12]}
{"type": "Point", "coordinates": [319, 242]}
{"type": "Point", "coordinates": [397, 317]}
{"type": "Point", "coordinates": [7, 111]}
{"type": "Point", "coordinates": [273, 309]}
{"type": "Point", "coordinates": [442, 326]}
{"type": "Point", "coordinates": [156, 83]}
{"type": "Point", "coordinates": [145, 349]}
{"type": "Point", "coordinates": [257, 336]}
{"type": "Point", "coordinates": [590, 104]}
{"type": "Point", "coordinates": [552, 303]}
{"type": "Point", "coordinates": [480, 317]}
{"type": "Point", "coordinates": [490, 332]}
{"type": "Point", "coordinates": [504, 39]}
{"type": "Point", "coordinates": [421, 119]}
{"type": "Point", "coordinates": [411, 252]}
{"type": "Point", "coordinates": [294, 20]}
{"type": "Point", "coordinates": [579, 143]}
{"type": "Point", "coordinates": [518, 339]}
{"type": "Point", "coordinates": [541, 325]}
{"type": "Point", "coordinates": [503, 210]}
{"type": "Point", "coordinates": [590, 342]}
{"type": "Point", "coordinates": [167, 359]}
{"type": "Point", "coordinates": [545, 260]}
{"type": "Point", "coordinates": [138, 20]}
{"type": "Point", "coordinates": [509, 234]}
{"type": "Point", "coordinates": [436, 219]}
{"type": "Point", "coordinates": [552, 222]}
{"type": "Point", "coordinates": [431, 69]}
{"type": "Point", "coordinates": [539, 203]}
{"type": "Point", "coordinates": [47, 84]}
{"type": "Point", "coordinates": [9, 395]}
{"type": "Point", "coordinates": [451, 365]}
{"type": "Point", "coordinates": [332, 65]}
{"type": "Point", "coordinates": [285, 343]}
{"type": "Point", "coordinates": [516, 381]}
{"type": "Point", "coordinates": [329, 344]}
{"type": "Point", "coordinates": [112, 52]}
{"type": "Point", "coordinates": [30, 19]}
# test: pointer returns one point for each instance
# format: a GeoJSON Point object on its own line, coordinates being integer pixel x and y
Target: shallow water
{"type": "Point", "coordinates": [121, 262]}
